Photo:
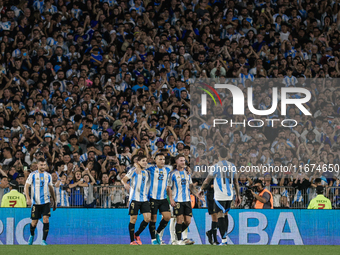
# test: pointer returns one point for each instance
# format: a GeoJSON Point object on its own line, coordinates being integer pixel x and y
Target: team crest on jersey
{"type": "Point", "coordinates": [161, 172]}
{"type": "Point", "coordinates": [41, 178]}
{"type": "Point", "coordinates": [143, 174]}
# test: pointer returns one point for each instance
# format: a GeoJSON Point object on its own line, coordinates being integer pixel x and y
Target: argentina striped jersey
{"type": "Point", "coordinates": [139, 185]}
{"type": "Point", "coordinates": [179, 181]}
{"type": "Point", "coordinates": [39, 187]}
{"type": "Point", "coordinates": [223, 180]}
{"type": "Point", "coordinates": [159, 181]}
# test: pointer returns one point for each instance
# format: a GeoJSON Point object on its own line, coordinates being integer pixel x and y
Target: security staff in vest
{"type": "Point", "coordinates": [320, 201]}
{"type": "Point", "coordinates": [264, 200]}
{"type": "Point", "coordinates": [13, 198]}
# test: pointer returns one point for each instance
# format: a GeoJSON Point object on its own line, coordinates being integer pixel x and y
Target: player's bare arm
{"type": "Point", "coordinates": [237, 190]}
{"type": "Point", "coordinates": [28, 198]}
{"type": "Point", "coordinates": [50, 187]}
{"type": "Point", "coordinates": [206, 182]}
{"type": "Point", "coordinates": [261, 199]}
{"type": "Point", "coordinates": [124, 181]}
{"type": "Point", "coordinates": [172, 201]}
{"type": "Point", "coordinates": [196, 192]}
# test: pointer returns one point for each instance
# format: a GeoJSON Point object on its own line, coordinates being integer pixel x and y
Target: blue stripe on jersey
{"type": "Point", "coordinates": [183, 184]}
{"type": "Point", "coordinates": [33, 195]}
{"type": "Point", "coordinates": [141, 195]}
{"type": "Point", "coordinates": [219, 182]}
{"type": "Point", "coordinates": [160, 186]}
{"type": "Point", "coordinates": [174, 180]}
{"type": "Point", "coordinates": [152, 175]}
{"type": "Point", "coordinates": [41, 188]}
{"type": "Point", "coordinates": [135, 183]}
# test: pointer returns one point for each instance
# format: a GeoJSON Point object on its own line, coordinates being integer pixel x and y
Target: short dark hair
{"type": "Point", "coordinates": [41, 160]}
{"type": "Point", "coordinates": [159, 154]}
{"type": "Point", "coordinates": [223, 152]}
{"type": "Point", "coordinates": [140, 157]}
{"type": "Point", "coordinates": [179, 156]}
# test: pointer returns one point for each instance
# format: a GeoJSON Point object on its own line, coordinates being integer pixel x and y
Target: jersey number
{"type": "Point", "coordinates": [41, 184]}
{"type": "Point", "coordinates": [321, 206]}
{"type": "Point", "coordinates": [160, 177]}
{"type": "Point", "coordinates": [183, 182]}
{"type": "Point", "coordinates": [12, 203]}
{"type": "Point", "coordinates": [226, 177]}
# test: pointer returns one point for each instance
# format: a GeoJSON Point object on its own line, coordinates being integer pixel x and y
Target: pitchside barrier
{"type": "Point", "coordinates": [117, 197]}
{"type": "Point", "coordinates": [110, 226]}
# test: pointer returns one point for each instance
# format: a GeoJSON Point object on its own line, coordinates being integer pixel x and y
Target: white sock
{"type": "Point", "coordinates": [173, 236]}
{"type": "Point", "coordinates": [161, 234]}
{"type": "Point", "coordinates": [185, 234]}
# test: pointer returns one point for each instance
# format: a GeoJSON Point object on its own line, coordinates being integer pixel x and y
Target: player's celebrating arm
{"type": "Point", "coordinates": [224, 175]}
{"type": "Point", "coordinates": [158, 197]}
{"type": "Point", "coordinates": [179, 187]}
{"type": "Point", "coordinates": [139, 191]}
{"type": "Point", "coordinates": [41, 190]}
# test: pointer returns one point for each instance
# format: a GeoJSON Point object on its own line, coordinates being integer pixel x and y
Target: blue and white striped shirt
{"type": "Point", "coordinates": [159, 181]}
{"type": "Point", "coordinates": [180, 181]}
{"type": "Point", "coordinates": [172, 148]}
{"type": "Point", "coordinates": [288, 81]}
{"type": "Point", "coordinates": [139, 185]}
{"type": "Point", "coordinates": [51, 10]}
{"type": "Point", "coordinates": [77, 13]}
{"type": "Point", "coordinates": [40, 187]}
{"type": "Point", "coordinates": [153, 144]}
{"type": "Point", "coordinates": [62, 196]}
{"type": "Point", "coordinates": [37, 5]}
{"type": "Point", "coordinates": [223, 175]}
{"type": "Point", "coordinates": [244, 77]}
{"type": "Point", "coordinates": [16, 53]}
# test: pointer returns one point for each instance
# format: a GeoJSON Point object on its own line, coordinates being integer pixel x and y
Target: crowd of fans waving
{"type": "Point", "coordinates": [90, 85]}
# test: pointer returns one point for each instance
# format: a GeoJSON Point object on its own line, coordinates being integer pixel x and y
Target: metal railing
{"type": "Point", "coordinates": [117, 197]}
{"type": "Point", "coordinates": [285, 197]}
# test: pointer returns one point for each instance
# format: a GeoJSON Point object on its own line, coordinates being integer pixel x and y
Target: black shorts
{"type": "Point", "coordinates": [183, 208]}
{"type": "Point", "coordinates": [219, 205]}
{"type": "Point", "coordinates": [210, 203]}
{"type": "Point", "coordinates": [161, 205]}
{"type": "Point", "coordinates": [135, 207]}
{"type": "Point", "coordinates": [38, 211]}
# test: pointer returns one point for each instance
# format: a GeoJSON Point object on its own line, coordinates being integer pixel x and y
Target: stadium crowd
{"type": "Point", "coordinates": [90, 85]}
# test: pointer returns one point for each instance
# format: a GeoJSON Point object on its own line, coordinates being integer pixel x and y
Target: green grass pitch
{"type": "Point", "coordinates": [169, 249]}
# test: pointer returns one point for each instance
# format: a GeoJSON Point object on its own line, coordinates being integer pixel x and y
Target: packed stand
{"type": "Point", "coordinates": [89, 85]}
